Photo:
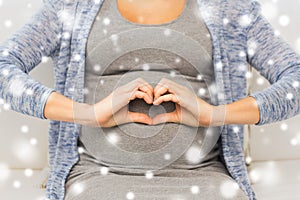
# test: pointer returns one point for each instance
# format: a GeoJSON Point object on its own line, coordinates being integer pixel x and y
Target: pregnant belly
{"type": "Point", "coordinates": [134, 144]}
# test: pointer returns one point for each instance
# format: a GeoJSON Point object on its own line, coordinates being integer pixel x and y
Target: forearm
{"type": "Point", "coordinates": [244, 111]}
{"type": "Point", "coordinates": [61, 108]}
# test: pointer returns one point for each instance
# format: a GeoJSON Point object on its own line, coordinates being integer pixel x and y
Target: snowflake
{"type": "Point", "coordinates": [71, 89]}
{"type": "Point", "coordinates": [295, 84]}
{"type": "Point", "coordinates": [236, 129]}
{"type": "Point", "coordinates": [28, 172]}
{"type": "Point", "coordinates": [97, 1]}
{"type": "Point", "coordinates": [193, 155]}
{"type": "Point", "coordinates": [248, 75]}
{"type": "Point", "coordinates": [130, 195]}
{"type": "Point", "coordinates": [97, 68]}
{"type": "Point", "coordinates": [45, 59]}
{"type": "Point", "coordinates": [80, 150]}
{"type": "Point", "coordinates": [284, 20]}
{"type": "Point", "coordinates": [167, 32]}
{"type": "Point", "coordinates": [277, 33]}
{"type": "Point", "coordinates": [294, 142]}
{"type": "Point", "coordinates": [248, 160]}
{"type": "Point", "coordinates": [7, 23]}
{"type": "Point", "coordinates": [167, 156]}
{"type": "Point", "coordinates": [199, 77]}
{"type": "Point", "coordinates": [6, 106]}
{"type": "Point", "coordinates": [66, 35]}
{"type": "Point", "coordinates": [195, 189]}
{"type": "Point", "coordinates": [5, 53]}
{"type": "Point", "coordinates": [77, 188]}
{"type": "Point", "coordinates": [113, 138]}
{"type": "Point", "coordinates": [201, 91]}
{"type": "Point", "coordinates": [5, 72]}
{"type": "Point", "coordinates": [219, 65]}
{"type": "Point", "coordinates": [177, 60]}
{"type": "Point", "coordinates": [64, 16]}
{"type": "Point", "coordinates": [225, 21]}
{"type": "Point", "coordinates": [284, 126]}
{"type": "Point", "coordinates": [29, 92]}
{"type": "Point", "coordinates": [245, 20]}
{"type": "Point", "coordinates": [16, 87]}
{"type": "Point", "coordinates": [271, 62]}
{"type": "Point", "coordinates": [146, 67]}
{"type": "Point", "coordinates": [104, 171]}
{"type": "Point", "coordinates": [260, 81]}
{"type": "Point", "coordinates": [242, 54]}
{"type": "Point", "coordinates": [24, 129]}
{"type": "Point", "coordinates": [33, 141]}
{"type": "Point", "coordinates": [254, 176]}
{"type": "Point", "coordinates": [104, 31]}
{"type": "Point", "coordinates": [149, 174]}
{"type": "Point", "coordinates": [252, 46]}
{"type": "Point", "coordinates": [106, 21]}
{"type": "Point", "coordinates": [289, 96]}
{"type": "Point", "coordinates": [114, 37]}
{"type": "Point", "coordinates": [17, 184]}
{"type": "Point", "coordinates": [229, 189]}
{"type": "Point", "coordinates": [77, 57]}
{"type": "Point", "coordinates": [172, 73]}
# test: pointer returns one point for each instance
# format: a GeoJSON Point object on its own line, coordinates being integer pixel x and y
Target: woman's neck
{"type": "Point", "coordinates": [150, 11]}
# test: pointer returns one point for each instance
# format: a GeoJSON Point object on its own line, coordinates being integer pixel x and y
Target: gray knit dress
{"type": "Point", "coordinates": [137, 161]}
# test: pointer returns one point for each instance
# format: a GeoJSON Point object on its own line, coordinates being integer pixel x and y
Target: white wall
{"type": "Point", "coordinates": [267, 142]}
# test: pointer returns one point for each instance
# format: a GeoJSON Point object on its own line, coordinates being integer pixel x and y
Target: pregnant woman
{"type": "Point", "coordinates": [150, 96]}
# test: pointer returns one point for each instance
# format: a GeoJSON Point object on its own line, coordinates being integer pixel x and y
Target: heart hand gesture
{"type": "Point", "coordinates": [190, 109]}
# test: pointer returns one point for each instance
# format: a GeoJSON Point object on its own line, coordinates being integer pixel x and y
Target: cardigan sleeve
{"type": "Point", "coordinates": [20, 53]}
{"type": "Point", "coordinates": [274, 59]}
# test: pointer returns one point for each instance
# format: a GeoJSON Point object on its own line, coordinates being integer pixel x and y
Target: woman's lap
{"type": "Point", "coordinates": [203, 184]}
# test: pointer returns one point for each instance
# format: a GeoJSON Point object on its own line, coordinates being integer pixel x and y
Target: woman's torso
{"type": "Point", "coordinates": [119, 51]}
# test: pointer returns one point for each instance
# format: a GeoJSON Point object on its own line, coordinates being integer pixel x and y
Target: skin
{"type": "Point", "coordinates": [113, 110]}
{"type": "Point", "coordinates": [150, 11]}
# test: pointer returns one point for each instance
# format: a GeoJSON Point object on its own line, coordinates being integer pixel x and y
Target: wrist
{"type": "Point", "coordinates": [84, 114]}
{"type": "Point", "coordinates": [218, 115]}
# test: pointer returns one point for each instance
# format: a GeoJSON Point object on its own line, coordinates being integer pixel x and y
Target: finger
{"type": "Point", "coordinates": [146, 89]}
{"type": "Point", "coordinates": [141, 95]}
{"type": "Point", "coordinates": [166, 98]}
{"type": "Point", "coordinates": [164, 86]}
{"type": "Point", "coordinates": [166, 117]}
{"type": "Point", "coordinates": [142, 85]}
{"type": "Point", "coordinates": [139, 82]}
{"type": "Point", "coordinates": [139, 117]}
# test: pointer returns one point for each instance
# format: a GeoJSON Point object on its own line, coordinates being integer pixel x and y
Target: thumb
{"type": "Point", "coordinates": [138, 117]}
{"type": "Point", "coordinates": [165, 117]}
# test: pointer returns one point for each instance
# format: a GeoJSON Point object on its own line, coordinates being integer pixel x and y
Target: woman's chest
{"type": "Point", "coordinates": [150, 12]}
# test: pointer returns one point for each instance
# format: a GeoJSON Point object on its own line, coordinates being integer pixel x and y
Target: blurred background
{"type": "Point", "coordinates": [274, 150]}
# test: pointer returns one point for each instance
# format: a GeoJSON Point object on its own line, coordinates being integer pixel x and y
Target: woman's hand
{"type": "Point", "coordinates": [113, 110]}
{"type": "Point", "coordinates": [190, 109]}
